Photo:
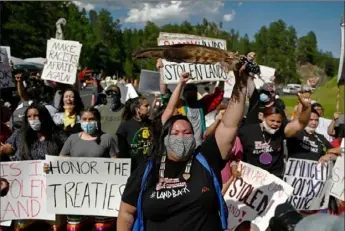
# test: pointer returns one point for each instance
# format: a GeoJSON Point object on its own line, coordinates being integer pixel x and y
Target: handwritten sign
{"type": "Point", "coordinates": [149, 82]}
{"type": "Point", "coordinates": [26, 197]}
{"type": "Point", "coordinates": [198, 72]}
{"type": "Point", "coordinates": [86, 186]}
{"type": "Point", "coordinates": [229, 87]}
{"type": "Point", "coordinates": [254, 197]}
{"type": "Point", "coordinates": [62, 61]}
{"type": "Point", "coordinates": [6, 79]}
{"type": "Point", "coordinates": [338, 179]}
{"type": "Point", "coordinates": [308, 178]}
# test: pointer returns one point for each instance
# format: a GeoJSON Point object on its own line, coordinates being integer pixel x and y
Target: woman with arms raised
{"type": "Point", "coordinates": [183, 189]}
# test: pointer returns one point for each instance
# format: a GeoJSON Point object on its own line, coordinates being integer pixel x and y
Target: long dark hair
{"type": "Point", "coordinates": [130, 107]}
{"type": "Point", "coordinates": [48, 129]}
{"type": "Point", "coordinates": [78, 103]}
{"type": "Point", "coordinates": [97, 115]}
{"type": "Point", "coordinates": [273, 110]}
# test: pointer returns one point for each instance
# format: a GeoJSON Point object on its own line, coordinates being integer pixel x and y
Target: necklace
{"type": "Point", "coordinates": [265, 157]}
{"type": "Point", "coordinates": [186, 174]}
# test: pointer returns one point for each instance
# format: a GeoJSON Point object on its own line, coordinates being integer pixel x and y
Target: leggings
{"type": "Point", "coordinates": [81, 223]}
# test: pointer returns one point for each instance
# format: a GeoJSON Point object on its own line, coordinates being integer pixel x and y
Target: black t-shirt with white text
{"type": "Point", "coordinates": [177, 204]}
{"type": "Point", "coordinates": [307, 146]}
{"type": "Point", "coordinates": [256, 142]}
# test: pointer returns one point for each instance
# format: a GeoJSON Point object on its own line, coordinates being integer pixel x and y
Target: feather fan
{"type": "Point", "coordinates": [189, 53]}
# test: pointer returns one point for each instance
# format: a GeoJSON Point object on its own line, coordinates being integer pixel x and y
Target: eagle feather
{"type": "Point", "coordinates": [190, 53]}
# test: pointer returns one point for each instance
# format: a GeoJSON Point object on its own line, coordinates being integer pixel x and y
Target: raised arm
{"type": "Point", "coordinates": [175, 97]}
{"type": "Point", "coordinates": [330, 129]}
{"type": "Point", "coordinates": [227, 129]}
{"type": "Point", "coordinates": [298, 124]}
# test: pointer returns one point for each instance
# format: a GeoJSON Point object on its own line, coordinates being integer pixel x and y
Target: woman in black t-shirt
{"type": "Point", "coordinates": [134, 133]}
{"type": "Point", "coordinates": [309, 145]}
{"type": "Point", "coordinates": [179, 193]}
{"type": "Point", "coordinates": [263, 142]}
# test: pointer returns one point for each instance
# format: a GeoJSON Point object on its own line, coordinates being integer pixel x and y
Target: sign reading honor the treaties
{"type": "Point", "coordinates": [86, 186]}
{"type": "Point", "coordinates": [25, 196]}
{"type": "Point", "coordinates": [198, 72]}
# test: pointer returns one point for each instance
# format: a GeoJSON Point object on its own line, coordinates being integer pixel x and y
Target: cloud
{"type": "Point", "coordinates": [229, 17]}
{"type": "Point", "coordinates": [239, 4]}
{"type": "Point", "coordinates": [171, 11]}
{"type": "Point", "coordinates": [85, 5]}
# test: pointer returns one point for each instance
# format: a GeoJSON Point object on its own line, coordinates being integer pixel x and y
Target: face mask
{"type": "Point", "coordinates": [264, 98]}
{"type": "Point", "coordinates": [89, 127]}
{"type": "Point", "coordinates": [310, 129]}
{"type": "Point", "coordinates": [113, 101]}
{"type": "Point", "coordinates": [35, 124]}
{"type": "Point", "coordinates": [268, 129]}
{"type": "Point", "coordinates": [181, 146]}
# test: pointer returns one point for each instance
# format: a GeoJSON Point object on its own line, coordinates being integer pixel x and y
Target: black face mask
{"type": "Point", "coordinates": [114, 101]}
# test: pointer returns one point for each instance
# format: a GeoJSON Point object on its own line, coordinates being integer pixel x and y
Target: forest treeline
{"type": "Point", "coordinates": [26, 26]}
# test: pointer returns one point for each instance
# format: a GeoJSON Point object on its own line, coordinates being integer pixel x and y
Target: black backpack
{"type": "Point", "coordinates": [17, 117]}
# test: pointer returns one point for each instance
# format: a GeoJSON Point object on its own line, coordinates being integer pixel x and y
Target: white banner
{"type": "Point", "coordinates": [198, 72]}
{"type": "Point", "coordinates": [26, 197]}
{"type": "Point", "coordinates": [86, 186]}
{"type": "Point", "coordinates": [308, 178]}
{"type": "Point", "coordinates": [62, 61]}
{"type": "Point", "coordinates": [341, 70]}
{"type": "Point", "coordinates": [6, 79]}
{"type": "Point", "coordinates": [338, 179]}
{"type": "Point", "coordinates": [254, 197]}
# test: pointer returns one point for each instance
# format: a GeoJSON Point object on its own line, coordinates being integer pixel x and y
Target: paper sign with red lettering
{"type": "Point", "coordinates": [23, 193]}
{"type": "Point", "coordinates": [198, 72]}
{"type": "Point", "coordinates": [86, 186]}
{"type": "Point", "coordinates": [254, 197]}
{"type": "Point", "coordinates": [309, 180]}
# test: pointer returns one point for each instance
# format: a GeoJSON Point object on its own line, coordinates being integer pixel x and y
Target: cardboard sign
{"type": "Point", "coordinates": [149, 82]}
{"type": "Point", "coordinates": [338, 179]}
{"type": "Point", "coordinates": [26, 197]}
{"type": "Point", "coordinates": [86, 186]}
{"type": "Point", "coordinates": [309, 180]}
{"type": "Point", "coordinates": [254, 197]}
{"type": "Point", "coordinates": [6, 79]}
{"type": "Point", "coordinates": [198, 72]}
{"type": "Point", "coordinates": [62, 61]}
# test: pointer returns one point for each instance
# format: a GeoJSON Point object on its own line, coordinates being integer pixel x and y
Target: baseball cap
{"type": "Point", "coordinates": [112, 87]}
{"type": "Point", "coordinates": [321, 221]}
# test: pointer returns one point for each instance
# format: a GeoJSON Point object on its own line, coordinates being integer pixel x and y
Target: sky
{"type": "Point", "coordinates": [246, 17]}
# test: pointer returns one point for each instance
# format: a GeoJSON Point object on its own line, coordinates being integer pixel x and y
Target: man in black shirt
{"type": "Point", "coordinates": [261, 99]}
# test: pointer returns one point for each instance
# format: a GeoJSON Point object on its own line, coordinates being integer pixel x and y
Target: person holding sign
{"type": "Point", "coordinates": [37, 137]}
{"type": "Point", "coordinates": [91, 142]}
{"type": "Point", "coordinates": [182, 180]}
{"type": "Point", "coordinates": [191, 107]}
{"type": "Point", "coordinates": [263, 142]}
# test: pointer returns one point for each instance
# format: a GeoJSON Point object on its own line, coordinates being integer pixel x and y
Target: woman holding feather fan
{"type": "Point", "coordinates": [179, 188]}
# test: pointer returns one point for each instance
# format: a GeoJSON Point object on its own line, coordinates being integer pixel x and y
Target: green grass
{"type": "Point", "coordinates": [325, 95]}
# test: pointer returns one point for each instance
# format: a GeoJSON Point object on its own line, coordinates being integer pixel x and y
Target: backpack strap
{"type": "Point", "coordinates": [223, 209]}
{"type": "Point", "coordinates": [139, 222]}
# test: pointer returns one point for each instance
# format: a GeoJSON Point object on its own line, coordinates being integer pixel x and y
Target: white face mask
{"type": "Point", "coordinates": [268, 129]}
{"type": "Point", "coordinates": [310, 129]}
{"type": "Point", "coordinates": [35, 124]}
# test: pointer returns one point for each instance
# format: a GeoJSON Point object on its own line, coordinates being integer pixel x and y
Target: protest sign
{"type": "Point", "coordinates": [198, 72]}
{"type": "Point", "coordinates": [149, 82]}
{"type": "Point", "coordinates": [6, 79]}
{"type": "Point", "coordinates": [309, 180]}
{"type": "Point", "coordinates": [229, 87]}
{"type": "Point", "coordinates": [62, 61]}
{"type": "Point", "coordinates": [86, 186]}
{"type": "Point", "coordinates": [254, 197]}
{"type": "Point", "coordinates": [338, 180]}
{"type": "Point", "coordinates": [127, 92]}
{"type": "Point", "coordinates": [8, 49]}
{"type": "Point", "coordinates": [26, 197]}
